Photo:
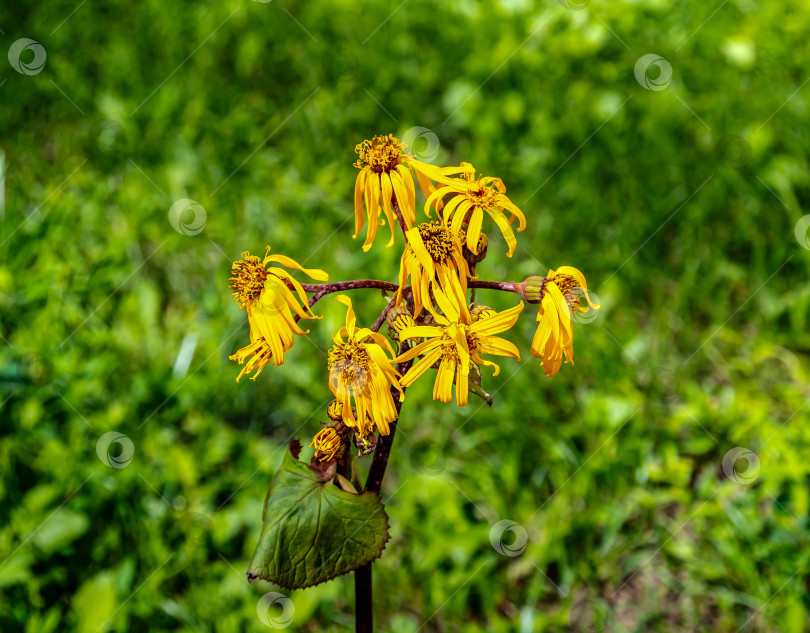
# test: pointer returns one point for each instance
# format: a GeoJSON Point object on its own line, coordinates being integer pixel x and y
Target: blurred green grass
{"type": "Point", "coordinates": [679, 206]}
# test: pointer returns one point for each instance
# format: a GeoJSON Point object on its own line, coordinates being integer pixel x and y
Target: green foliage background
{"type": "Point", "coordinates": [679, 205]}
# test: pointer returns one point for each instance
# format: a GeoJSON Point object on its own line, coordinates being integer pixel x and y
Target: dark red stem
{"type": "Point", "coordinates": [364, 622]}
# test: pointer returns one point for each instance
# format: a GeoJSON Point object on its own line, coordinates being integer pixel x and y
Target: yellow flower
{"type": "Point", "coordinates": [473, 196]}
{"type": "Point", "coordinates": [328, 444]}
{"type": "Point", "coordinates": [386, 174]}
{"type": "Point", "coordinates": [360, 370]}
{"type": "Point", "coordinates": [559, 295]}
{"type": "Point", "coordinates": [267, 296]}
{"type": "Point", "coordinates": [455, 344]}
{"type": "Point", "coordinates": [434, 262]}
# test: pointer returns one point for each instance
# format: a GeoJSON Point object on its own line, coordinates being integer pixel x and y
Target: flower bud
{"type": "Point", "coordinates": [365, 443]}
{"type": "Point", "coordinates": [398, 318]}
{"type": "Point", "coordinates": [335, 410]}
{"type": "Point", "coordinates": [532, 288]}
{"type": "Point", "coordinates": [474, 258]}
{"type": "Point", "coordinates": [328, 444]}
{"type": "Point", "coordinates": [479, 311]}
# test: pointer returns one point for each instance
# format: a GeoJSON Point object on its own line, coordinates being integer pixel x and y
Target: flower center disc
{"type": "Point", "coordinates": [380, 154]}
{"type": "Point", "coordinates": [438, 240]}
{"type": "Point", "coordinates": [248, 279]}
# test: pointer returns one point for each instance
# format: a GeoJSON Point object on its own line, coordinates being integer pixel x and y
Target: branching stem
{"type": "Point", "coordinates": [321, 290]}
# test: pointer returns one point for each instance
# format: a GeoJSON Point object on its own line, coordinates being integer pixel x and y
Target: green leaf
{"type": "Point", "coordinates": [313, 531]}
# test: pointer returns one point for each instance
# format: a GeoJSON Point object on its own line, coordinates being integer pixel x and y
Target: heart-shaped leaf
{"type": "Point", "coordinates": [313, 531]}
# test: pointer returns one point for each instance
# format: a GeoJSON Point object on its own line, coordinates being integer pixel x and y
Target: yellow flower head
{"type": "Point", "coordinates": [471, 198]}
{"type": "Point", "coordinates": [266, 293]}
{"type": "Point", "coordinates": [360, 370]}
{"type": "Point", "coordinates": [386, 175]}
{"type": "Point", "coordinates": [328, 444]}
{"type": "Point", "coordinates": [434, 262]}
{"type": "Point", "coordinates": [455, 344]}
{"type": "Point", "coordinates": [559, 296]}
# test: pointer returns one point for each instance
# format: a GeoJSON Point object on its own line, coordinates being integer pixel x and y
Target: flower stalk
{"type": "Point", "coordinates": [433, 322]}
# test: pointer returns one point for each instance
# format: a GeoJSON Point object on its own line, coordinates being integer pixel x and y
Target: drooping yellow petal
{"type": "Point", "coordinates": [499, 322]}
{"type": "Point", "coordinates": [359, 188]}
{"type": "Point", "coordinates": [420, 367]}
{"type": "Point", "coordinates": [315, 273]}
{"type": "Point", "coordinates": [402, 199]}
{"type": "Point", "coordinates": [387, 193]}
{"type": "Point", "coordinates": [350, 316]}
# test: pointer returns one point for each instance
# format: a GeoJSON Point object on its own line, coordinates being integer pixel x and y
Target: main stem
{"type": "Point", "coordinates": [364, 615]}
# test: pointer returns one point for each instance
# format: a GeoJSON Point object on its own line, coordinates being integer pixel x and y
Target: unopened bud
{"type": "Point", "coordinates": [365, 443]}
{"type": "Point", "coordinates": [328, 444]}
{"type": "Point", "coordinates": [479, 311]}
{"type": "Point", "coordinates": [533, 288]}
{"type": "Point", "coordinates": [398, 318]}
{"type": "Point", "coordinates": [474, 258]}
{"type": "Point", "coordinates": [335, 410]}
